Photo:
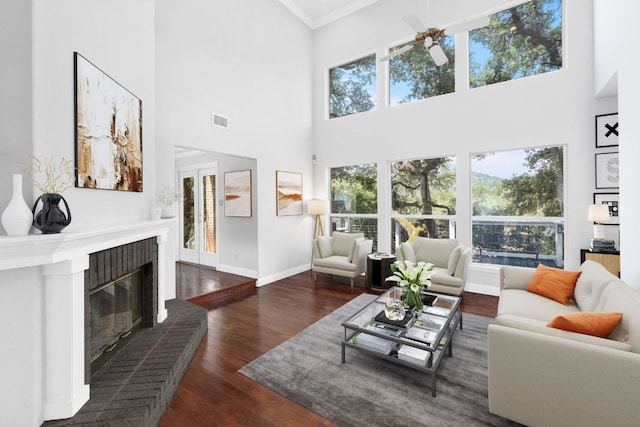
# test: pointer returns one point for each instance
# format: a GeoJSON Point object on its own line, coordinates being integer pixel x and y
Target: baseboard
{"type": "Point", "coordinates": [281, 275]}
{"type": "Point", "coordinates": [478, 288]}
{"type": "Point", "coordinates": [237, 271]}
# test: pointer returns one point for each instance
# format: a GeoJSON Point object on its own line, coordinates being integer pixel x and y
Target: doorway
{"type": "Point", "coordinates": [199, 216]}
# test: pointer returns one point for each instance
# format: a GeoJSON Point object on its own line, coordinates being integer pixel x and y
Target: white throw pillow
{"type": "Point", "coordinates": [341, 243]}
{"type": "Point", "coordinates": [435, 251]}
{"type": "Point", "coordinates": [354, 248]}
{"type": "Point", "coordinates": [453, 260]}
{"type": "Point", "coordinates": [407, 251]}
{"type": "Point", "coordinates": [324, 246]}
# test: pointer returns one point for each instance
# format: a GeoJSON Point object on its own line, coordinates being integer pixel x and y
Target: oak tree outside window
{"type": "Point", "coordinates": [522, 41]}
{"type": "Point", "coordinates": [423, 199]}
{"type": "Point", "coordinates": [413, 75]}
{"type": "Point", "coordinates": [352, 87]}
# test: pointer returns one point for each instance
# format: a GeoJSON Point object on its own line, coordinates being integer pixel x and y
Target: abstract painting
{"type": "Point", "coordinates": [108, 128]}
{"type": "Point", "coordinates": [288, 193]}
{"type": "Point", "coordinates": [237, 193]}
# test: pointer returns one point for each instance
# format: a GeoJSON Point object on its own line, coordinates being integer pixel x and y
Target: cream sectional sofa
{"type": "Point", "coordinates": [541, 376]}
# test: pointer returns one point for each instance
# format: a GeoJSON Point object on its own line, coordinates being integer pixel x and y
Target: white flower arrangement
{"type": "Point", "coordinates": [168, 196]}
{"type": "Point", "coordinates": [412, 277]}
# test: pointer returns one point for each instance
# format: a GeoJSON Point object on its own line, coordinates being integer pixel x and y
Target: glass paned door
{"type": "Point", "coordinates": [199, 216]}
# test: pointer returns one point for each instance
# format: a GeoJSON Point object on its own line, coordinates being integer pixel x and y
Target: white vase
{"type": "Point", "coordinates": [17, 217]}
{"type": "Point", "coordinates": [168, 212]}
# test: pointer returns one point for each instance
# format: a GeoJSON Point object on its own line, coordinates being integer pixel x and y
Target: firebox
{"type": "Point", "coordinates": [120, 298]}
{"type": "Point", "coordinates": [116, 312]}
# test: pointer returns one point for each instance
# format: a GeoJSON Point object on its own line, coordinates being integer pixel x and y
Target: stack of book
{"type": "Point", "coordinates": [413, 355]}
{"type": "Point", "coordinates": [602, 245]}
{"type": "Point", "coordinates": [375, 343]}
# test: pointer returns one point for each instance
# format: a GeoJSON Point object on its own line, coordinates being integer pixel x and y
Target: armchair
{"type": "Point", "coordinates": [342, 254]}
{"type": "Point", "coordinates": [450, 260]}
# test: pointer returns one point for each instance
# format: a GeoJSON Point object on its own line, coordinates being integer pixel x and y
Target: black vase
{"type": "Point", "coordinates": [51, 219]}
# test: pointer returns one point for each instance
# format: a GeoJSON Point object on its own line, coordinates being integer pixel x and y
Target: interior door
{"type": "Point", "coordinates": [198, 214]}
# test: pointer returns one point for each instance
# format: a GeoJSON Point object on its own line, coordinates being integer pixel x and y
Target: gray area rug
{"type": "Point", "coordinates": [368, 391]}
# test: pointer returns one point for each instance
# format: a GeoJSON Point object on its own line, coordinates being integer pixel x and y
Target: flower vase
{"type": "Point", "coordinates": [17, 217]}
{"type": "Point", "coordinates": [51, 219]}
{"type": "Point", "coordinates": [414, 300]}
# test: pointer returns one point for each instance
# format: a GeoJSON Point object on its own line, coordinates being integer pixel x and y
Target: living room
{"type": "Point", "coordinates": [258, 64]}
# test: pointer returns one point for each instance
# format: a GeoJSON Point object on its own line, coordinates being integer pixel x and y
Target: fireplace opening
{"type": "Point", "coordinates": [116, 314]}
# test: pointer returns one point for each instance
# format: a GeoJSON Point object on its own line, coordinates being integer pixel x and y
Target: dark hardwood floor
{"type": "Point", "coordinates": [248, 325]}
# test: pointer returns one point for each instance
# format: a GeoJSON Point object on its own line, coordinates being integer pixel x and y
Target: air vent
{"type": "Point", "coordinates": [219, 121]}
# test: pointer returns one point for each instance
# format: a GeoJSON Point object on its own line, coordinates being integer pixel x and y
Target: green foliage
{"type": "Point", "coordinates": [424, 187]}
{"type": "Point", "coordinates": [354, 189]}
{"type": "Point", "coordinates": [416, 72]}
{"type": "Point", "coordinates": [348, 87]}
{"type": "Point", "coordinates": [538, 192]}
{"type": "Point", "coordinates": [522, 41]}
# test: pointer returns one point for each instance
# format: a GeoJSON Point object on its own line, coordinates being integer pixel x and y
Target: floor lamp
{"type": "Point", "coordinates": [318, 207]}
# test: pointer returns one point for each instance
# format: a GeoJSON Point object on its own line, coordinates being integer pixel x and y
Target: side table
{"type": "Point", "coordinates": [378, 269]}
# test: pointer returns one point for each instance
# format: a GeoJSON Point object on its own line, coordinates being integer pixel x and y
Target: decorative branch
{"type": "Point", "coordinates": [47, 176]}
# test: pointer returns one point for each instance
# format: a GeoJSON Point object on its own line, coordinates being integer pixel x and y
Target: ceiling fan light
{"type": "Point", "coordinates": [428, 41]}
{"type": "Point", "coordinates": [438, 55]}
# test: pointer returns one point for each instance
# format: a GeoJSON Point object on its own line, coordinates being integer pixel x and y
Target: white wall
{"type": "Point", "coordinates": [118, 37]}
{"type": "Point", "coordinates": [629, 103]}
{"type": "Point", "coordinates": [550, 109]}
{"type": "Point", "coordinates": [15, 94]}
{"type": "Point", "coordinates": [249, 60]}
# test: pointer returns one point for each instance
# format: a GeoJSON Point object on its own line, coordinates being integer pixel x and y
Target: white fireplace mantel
{"type": "Point", "coordinates": [63, 258]}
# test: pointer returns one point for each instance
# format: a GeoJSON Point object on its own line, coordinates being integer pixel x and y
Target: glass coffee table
{"type": "Point", "coordinates": [417, 341]}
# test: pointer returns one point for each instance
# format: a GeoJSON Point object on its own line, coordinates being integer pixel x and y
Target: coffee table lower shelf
{"type": "Point", "coordinates": [434, 361]}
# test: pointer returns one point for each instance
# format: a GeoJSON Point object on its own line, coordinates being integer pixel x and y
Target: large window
{"type": "Point", "coordinates": [519, 42]}
{"type": "Point", "coordinates": [423, 199]}
{"type": "Point", "coordinates": [352, 87]}
{"type": "Point", "coordinates": [354, 200]}
{"type": "Point", "coordinates": [413, 75]}
{"type": "Point", "coordinates": [518, 209]}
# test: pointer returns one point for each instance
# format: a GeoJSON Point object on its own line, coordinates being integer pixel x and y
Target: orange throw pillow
{"type": "Point", "coordinates": [554, 283]}
{"type": "Point", "coordinates": [596, 324]}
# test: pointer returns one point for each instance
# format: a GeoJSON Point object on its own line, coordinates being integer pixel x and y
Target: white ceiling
{"type": "Point", "coordinates": [316, 13]}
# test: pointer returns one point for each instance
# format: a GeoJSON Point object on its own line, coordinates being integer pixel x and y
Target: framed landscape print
{"type": "Point", "coordinates": [108, 131]}
{"type": "Point", "coordinates": [607, 130]}
{"type": "Point", "coordinates": [288, 193]}
{"type": "Point", "coordinates": [607, 170]}
{"type": "Point", "coordinates": [612, 200]}
{"type": "Point", "coordinates": [237, 193]}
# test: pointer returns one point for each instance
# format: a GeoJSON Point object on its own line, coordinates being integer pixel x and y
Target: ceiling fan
{"type": "Point", "coordinates": [428, 37]}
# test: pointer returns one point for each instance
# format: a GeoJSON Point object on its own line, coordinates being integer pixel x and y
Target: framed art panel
{"type": "Point", "coordinates": [607, 170]}
{"type": "Point", "coordinates": [288, 193]}
{"type": "Point", "coordinates": [612, 201]}
{"type": "Point", "coordinates": [607, 130]}
{"type": "Point", "coordinates": [108, 131]}
{"type": "Point", "coordinates": [237, 193]}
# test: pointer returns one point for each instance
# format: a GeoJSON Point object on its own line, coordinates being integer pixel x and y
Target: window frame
{"type": "Point", "coordinates": [327, 83]}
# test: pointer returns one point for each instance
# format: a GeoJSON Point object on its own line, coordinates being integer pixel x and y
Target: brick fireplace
{"type": "Point", "coordinates": [44, 282]}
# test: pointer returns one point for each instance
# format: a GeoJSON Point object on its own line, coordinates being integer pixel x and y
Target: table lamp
{"type": "Point", "coordinates": [318, 207]}
{"type": "Point", "coordinates": [598, 214]}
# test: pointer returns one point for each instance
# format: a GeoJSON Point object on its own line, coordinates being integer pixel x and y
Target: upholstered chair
{"type": "Point", "coordinates": [450, 260]}
{"type": "Point", "coordinates": [342, 254]}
